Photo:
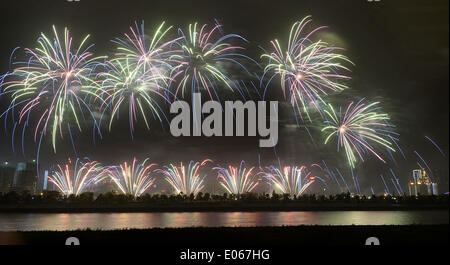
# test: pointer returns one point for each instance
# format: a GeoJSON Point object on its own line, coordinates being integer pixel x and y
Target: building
{"type": "Point", "coordinates": [6, 176]}
{"type": "Point", "coordinates": [421, 184]}
{"type": "Point", "coordinates": [25, 177]}
{"type": "Point", "coordinates": [44, 186]}
{"type": "Point", "coordinates": [42, 182]}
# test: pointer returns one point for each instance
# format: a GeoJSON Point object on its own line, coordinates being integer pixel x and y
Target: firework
{"type": "Point", "coordinates": [290, 180]}
{"type": "Point", "coordinates": [308, 70]}
{"type": "Point", "coordinates": [185, 180]}
{"type": "Point", "coordinates": [138, 75]}
{"type": "Point", "coordinates": [133, 179]}
{"type": "Point", "coordinates": [75, 180]}
{"type": "Point", "coordinates": [149, 56]}
{"type": "Point", "coordinates": [202, 60]}
{"type": "Point", "coordinates": [127, 84]}
{"type": "Point", "coordinates": [357, 129]}
{"type": "Point", "coordinates": [54, 83]}
{"type": "Point", "coordinates": [236, 180]}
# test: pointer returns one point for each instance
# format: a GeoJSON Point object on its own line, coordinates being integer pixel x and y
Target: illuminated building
{"type": "Point", "coordinates": [44, 181]}
{"type": "Point", "coordinates": [421, 184]}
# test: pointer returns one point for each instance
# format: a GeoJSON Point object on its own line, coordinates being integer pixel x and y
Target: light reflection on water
{"type": "Point", "coordinates": [107, 221]}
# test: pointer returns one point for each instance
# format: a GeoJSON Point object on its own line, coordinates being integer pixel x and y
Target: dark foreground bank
{"type": "Point", "coordinates": [241, 236]}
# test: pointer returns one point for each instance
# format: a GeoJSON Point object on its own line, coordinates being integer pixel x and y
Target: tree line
{"type": "Point", "coordinates": [26, 197]}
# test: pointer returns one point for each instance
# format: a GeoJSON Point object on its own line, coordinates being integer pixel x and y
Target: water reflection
{"type": "Point", "coordinates": [72, 221]}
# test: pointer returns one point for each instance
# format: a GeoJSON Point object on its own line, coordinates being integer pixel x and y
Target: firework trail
{"type": "Point", "coordinates": [357, 129]}
{"type": "Point", "coordinates": [336, 180]}
{"type": "Point", "coordinates": [55, 83]}
{"type": "Point", "coordinates": [133, 179]}
{"type": "Point", "coordinates": [75, 180]}
{"type": "Point", "coordinates": [289, 180]}
{"type": "Point", "coordinates": [392, 157]}
{"type": "Point", "coordinates": [395, 186]}
{"type": "Point", "coordinates": [184, 180]}
{"type": "Point", "coordinates": [435, 145]}
{"type": "Point", "coordinates": [308, 70]}
{"type": "Point", "coordinates": [236, 180]}
{"type": "Point", "coordinates": [332, 175]}
{"type": "Point", "coordinates": [397, 181]}
{"type": "Point", "coordinates": [205, 53]}
{"type": "Point", "coordinates": [386, 190]}
{"type": "Point", "coordinates": [343, 180]}
{"type": "Point", "coordinates": [319, 169]}
{"type": "Point", "coordinates": [355, 181]}
{"type": "Point", "coordinates": [425, 163]}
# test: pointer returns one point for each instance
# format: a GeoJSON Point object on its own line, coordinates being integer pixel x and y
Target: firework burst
{"type": "Point", "coordinates": [133, 179]}
{"type": "Point", "coordinates": [290, 180]}
{"type": "Point", "coordinates": [127, 84]}
{"type": "Point", "coordinates": [54, 83]}
{"type": "Point", "coordinates": [148, 55]}
{"type": "Point", "coordinates": [138, 75]}
{"type": "Point", "coordinates": [75, 180]}
{"type": "Point", "coordinates": [236, 180]}
{"type": "Point", "coordinates": [358, 128]}
{"type": "Point", "coordinates": [185, 180]}
{"type": "Point", "coordinates": [201, 62]}
{"type": "Point", "coordinates": [308, 70]}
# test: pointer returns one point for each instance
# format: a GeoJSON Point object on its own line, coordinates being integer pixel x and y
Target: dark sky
{"type": "Point", "coordinates": [400, 51]}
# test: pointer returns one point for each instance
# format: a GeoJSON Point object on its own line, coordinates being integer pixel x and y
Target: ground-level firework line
{"type": "Point", "coordinates": [133, 179]}
{"type": "Point", "coordinates": [236, 180]}
{"type": "Point", "coordinates": [185, 180]}
{"type": "Point", "coordinates": [74, 180]}
{"type": "Point", "coordinates": [290, 180]}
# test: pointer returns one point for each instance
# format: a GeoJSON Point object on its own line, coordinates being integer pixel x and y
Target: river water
{"type": "Point", "coordinates": [108, 221]}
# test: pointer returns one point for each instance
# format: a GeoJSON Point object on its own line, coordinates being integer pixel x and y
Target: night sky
{"type": "Point", "coordinates": [400, 51]}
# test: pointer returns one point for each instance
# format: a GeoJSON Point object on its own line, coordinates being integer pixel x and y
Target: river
{"type": "Point", "coordinates": [109, 221]}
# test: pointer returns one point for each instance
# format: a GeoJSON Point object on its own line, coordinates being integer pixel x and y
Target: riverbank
{"type": "Point", "coordinates": [214, 207]}
{"type": "Point", "coordinates": [286, 236]}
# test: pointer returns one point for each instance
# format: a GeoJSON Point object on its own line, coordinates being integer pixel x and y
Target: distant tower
{"type": "Point", "coordinates": [421, 184]}
{"type": "Point", "coordinates": [435, 188]}
{"type": "Point", "coordinates": [45, 180]}
{"type": "Point", "coordinates": [18, 174]}
{"type": "Point", "coordinates": [417, 174]}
